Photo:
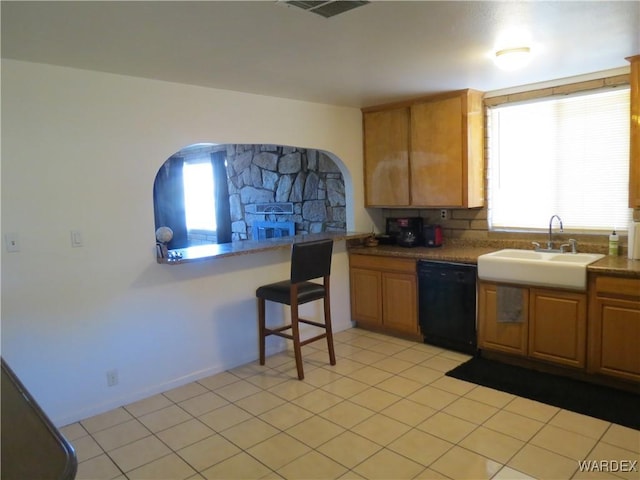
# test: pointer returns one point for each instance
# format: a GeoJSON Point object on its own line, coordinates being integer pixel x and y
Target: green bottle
{"type": "Point", "coordinates": [613, 244]}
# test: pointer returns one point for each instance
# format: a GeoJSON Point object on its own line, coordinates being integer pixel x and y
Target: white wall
{"type": "Point", "coordinates": [80, 150]}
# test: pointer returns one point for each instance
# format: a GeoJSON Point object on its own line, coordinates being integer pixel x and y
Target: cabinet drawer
{"type": "Point", "coordinates": [618, 286]}
{"type": "Point", "coordinates": [389, 264]}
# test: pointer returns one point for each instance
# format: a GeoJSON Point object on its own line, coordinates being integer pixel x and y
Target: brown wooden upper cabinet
{"type": "Point", "coordinates": [386, 153]}
{"type": "Point", "coordinates": [428, 152]}
{"type": "Point", "coordinates": [634, 151]}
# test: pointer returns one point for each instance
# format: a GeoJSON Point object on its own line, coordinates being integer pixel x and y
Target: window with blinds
{"type": "Point", "coordinates": [560, 155]}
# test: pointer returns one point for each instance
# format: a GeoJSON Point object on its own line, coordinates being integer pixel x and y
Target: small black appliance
{"type": "Point", "coordinates": [406, 230]}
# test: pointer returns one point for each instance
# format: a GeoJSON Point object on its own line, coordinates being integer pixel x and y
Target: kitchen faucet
{"type": "Point", "coordinates": [572, 242]}
{"type": "Point", "coordinates": [550, 242]}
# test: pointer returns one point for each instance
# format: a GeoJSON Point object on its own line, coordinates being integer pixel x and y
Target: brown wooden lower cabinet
{"type": "Point", "coordinates": [384, 294]}
{"type": "Point", "coordinates": [614, 327]}
{"type": "Point", "coordinates": [507, 337]}
{"type": "Point", "coordinates": [366, 295]}
{"type": "Point", "coordinates": [558, 327]}
{"type": "Point", "coordinates": [552, 327]}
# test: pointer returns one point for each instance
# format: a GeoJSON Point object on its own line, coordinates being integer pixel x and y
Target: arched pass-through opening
{"type": "Point", "coordinates": [219, 193]}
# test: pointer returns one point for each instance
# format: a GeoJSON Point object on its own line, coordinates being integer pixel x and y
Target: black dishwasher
{"type": "Point", "coordinates": [447, 304]}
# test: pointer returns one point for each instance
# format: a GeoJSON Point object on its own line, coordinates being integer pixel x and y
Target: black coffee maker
{"type": "Point", "coordinates": [407, 231]}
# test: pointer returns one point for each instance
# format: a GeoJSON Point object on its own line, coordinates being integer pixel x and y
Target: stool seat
{"type": "Point", "coordinates": [309, 260]}
{"type": "Point", "coordinates": [280, 292]}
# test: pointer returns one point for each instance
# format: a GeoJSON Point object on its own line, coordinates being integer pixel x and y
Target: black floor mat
{"type": "Point", "coordinates": [612, 405]}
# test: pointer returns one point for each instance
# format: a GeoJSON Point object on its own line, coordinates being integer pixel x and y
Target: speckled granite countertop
{"type": "Point", "coordinates": [244, 247]}
{"type": "Point", "coordinates": [448, 253]}
{"type": "Point", "coordinates": [618, 266]}
{"type": "Point", "coordinates": [468, 253]}
{"type": "Point", "coordinates": [452, 251]}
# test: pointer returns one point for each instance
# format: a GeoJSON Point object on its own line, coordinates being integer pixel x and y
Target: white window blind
{"type": "Point", "coordinates": [567, 156]}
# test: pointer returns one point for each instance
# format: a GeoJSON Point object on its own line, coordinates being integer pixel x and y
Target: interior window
{"type": "Point", "coordinates": [560, 155]}
{"type": "Point", "coordinates": [208, 193]}
{"type": "Point", "coordinates": [191, 197]}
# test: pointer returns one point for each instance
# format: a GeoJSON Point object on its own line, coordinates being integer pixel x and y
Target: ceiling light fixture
{"type": "Point", "coordinates": [513, 58]}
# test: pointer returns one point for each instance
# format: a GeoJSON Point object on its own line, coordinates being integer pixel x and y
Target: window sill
{"type": "Point", "coordinates": [200, 253]}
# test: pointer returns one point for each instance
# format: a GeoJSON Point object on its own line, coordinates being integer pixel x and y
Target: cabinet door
{"type": "Point", "coordinates": [634, 148]}
{"type": "Point", "coordinates": [436, 153]}
{"type": "Point", "coordinates": [615, 338]}
{"type": "Point", "coordinates": [509, 337]}
{"type": "Point", "coordinates": [399, 302]}
{"type": "Point", "coordinates": [386, 157]}
{"type": "Point", "coordinates": [558, 327]}
{"type": "Point", "coordinates": [366, 296]}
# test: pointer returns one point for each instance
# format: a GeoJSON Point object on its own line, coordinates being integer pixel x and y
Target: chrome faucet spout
{"type": "Point", "coordinates": [550, 241]}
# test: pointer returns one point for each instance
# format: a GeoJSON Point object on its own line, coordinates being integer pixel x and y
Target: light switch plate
{"type": "Point", "coordinates": [76, 238]}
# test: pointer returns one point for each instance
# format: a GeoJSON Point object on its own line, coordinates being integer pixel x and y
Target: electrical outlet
{"type": "Point", "coordinates": [444, 214]}
{"type": "Point", "coordinates": [112, 378]}
{"type": "Point", "coordinates": [12, 242]}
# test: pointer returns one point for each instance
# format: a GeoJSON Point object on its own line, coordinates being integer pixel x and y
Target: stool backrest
{"type": "Point", "coordinates": [311, 260]}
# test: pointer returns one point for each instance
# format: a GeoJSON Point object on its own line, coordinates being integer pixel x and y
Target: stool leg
{"type": "Point", "coordinates": [261, 327]}
{"type": "Point", "coordinates": [327, 322]}
{"type": "Point", "coordinates": [295, 333]}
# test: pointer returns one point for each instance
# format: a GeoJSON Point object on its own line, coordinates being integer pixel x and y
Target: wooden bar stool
{"type": "Point", "coordinates": [309, 260]}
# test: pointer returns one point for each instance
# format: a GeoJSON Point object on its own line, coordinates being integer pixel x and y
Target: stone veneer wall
{"type": "Point", "coordinates": [271, 173]}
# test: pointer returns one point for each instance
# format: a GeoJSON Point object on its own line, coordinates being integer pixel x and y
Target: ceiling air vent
{"type": "Point", "coordinates": [328, 9]}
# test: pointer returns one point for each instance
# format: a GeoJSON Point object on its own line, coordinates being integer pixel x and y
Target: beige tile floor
{"type": "Point", "coordinates": [385, 411]}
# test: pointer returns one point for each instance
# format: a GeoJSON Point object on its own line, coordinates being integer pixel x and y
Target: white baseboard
{"type": "Point", "coordinates": [134, 396]}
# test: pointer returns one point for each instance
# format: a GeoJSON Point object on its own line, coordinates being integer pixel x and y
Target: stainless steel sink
{"type": "Point", "coordinates": [527, 267]}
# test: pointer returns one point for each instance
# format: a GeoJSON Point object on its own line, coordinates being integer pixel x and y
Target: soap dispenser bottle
{"type": "Point", "coordinates": [613, 243]}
